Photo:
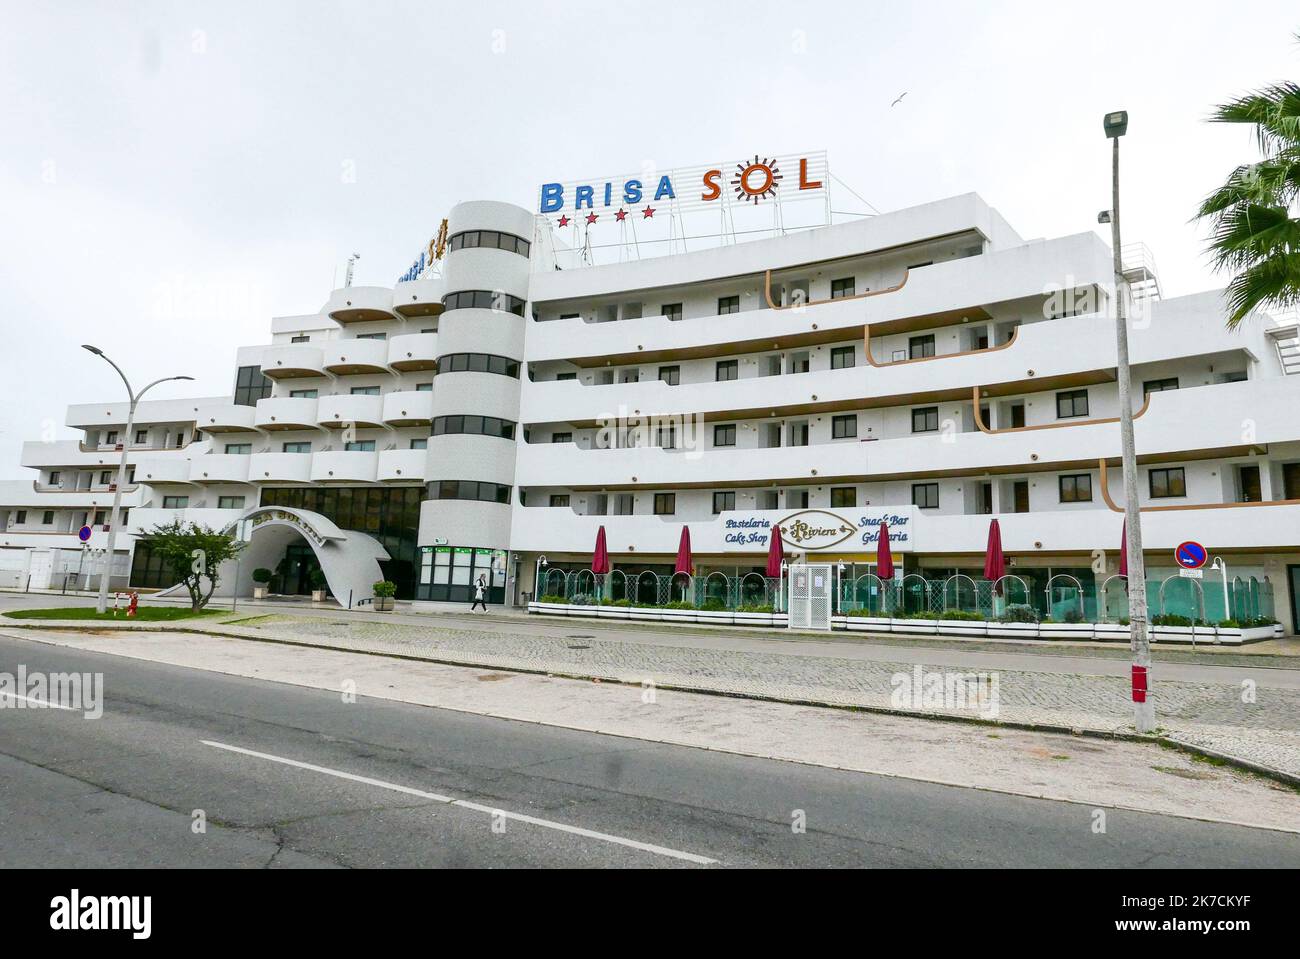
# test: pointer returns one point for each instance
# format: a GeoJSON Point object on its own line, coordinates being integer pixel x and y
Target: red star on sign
{"type": "Point", "coordinates": [649, 212]}
{"type": "Point", "coordinates": [592, 218]}
{"type": "Point", "coordinates": [564, 221]}
{"type": "Point", "coordinates": [621, 215]}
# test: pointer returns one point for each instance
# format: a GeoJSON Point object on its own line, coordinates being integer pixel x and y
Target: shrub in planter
{"type": "Point", "coordinates": [384, 591]}
{"type": "Point", "coordinates": [583, 599]}
{"type": "Point", "coordinates": [621, 603]}
{"type": "Point", "coordinates": [1171, 619]}
{"type": "Point", "coordinates": [1018, 613]}
{"type": "Point", "coordinates": [868, 614]}
{"type": "Point", "coordinates": [713, 606]}
{"type": "Point", "coordinates": [755, 609]}
{"type": "Point", "coordinates": [679, 604]}
{"type": "Point", "coordinates": [261, 576]}
{"type": "Point", "coordinates": [317, 579]}
{"type": "Point", "coordinates": [1073, 616]}
{"type": "Point", "coordinates": [554, 600]}
{"type": "Point", "coordinates": [961, 615]}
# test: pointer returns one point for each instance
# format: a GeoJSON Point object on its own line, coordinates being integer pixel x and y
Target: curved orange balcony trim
{"type": "Point", "coordinates": [979, 420]}
{"type": "Point", "coordinates": [871, 360]}
{"type": "Point", "coordinates": [767, 293]}
{"type": "Point", "coordinates": [1114, 508]}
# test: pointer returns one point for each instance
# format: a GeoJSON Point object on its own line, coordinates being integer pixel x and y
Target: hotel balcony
{"type": "Point", "coordinates": [175, 470]}
{"type": "Point", "coordinates": [229, 418]}
{"type": "Point", "coordinates": [358, 411]}
{"type": "Point", "coordinates": [211, 518]}
{"type": "Point", "coordinates": [413, 351]}
{"type": "Point", "coordinates": [352, 357]}
{"type": "Point", "coordinates": [280, 468]}
{"type": "Point", "coordinates": [408, 408]}
{"type": "Point", "coordinates": [220, 468]}
{"type": "Point", "coordinates": [278, 413]}
{"type": "Point", "coordinates": [418, 298]}
{"type": "Point", "coordinates": [339, 466]}
{"type": "Point", "coordinates": [360, 304]}
{"type": "Point", "coordinates": [402, 466]}
{"type": "Point", "coordinates": [292, 361]}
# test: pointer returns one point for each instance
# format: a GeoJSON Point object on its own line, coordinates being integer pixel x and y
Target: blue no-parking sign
{"type": "Point", "coordinates": [1191, 555]}
{"type": "Point", "coordinates": [84, 534]}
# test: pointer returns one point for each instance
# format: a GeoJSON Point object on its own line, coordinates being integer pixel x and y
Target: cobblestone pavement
{"type": "Point", "coordinates": [1219, 717]}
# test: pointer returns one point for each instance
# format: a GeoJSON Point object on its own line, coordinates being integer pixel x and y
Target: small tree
{"type": "Point", "coordinates": [192, 554]}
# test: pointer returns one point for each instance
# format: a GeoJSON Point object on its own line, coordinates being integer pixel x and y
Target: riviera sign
{"type": "Point", "coordinates": [751, 181]}
{"type": "Point", "coordinates": [819, 530]}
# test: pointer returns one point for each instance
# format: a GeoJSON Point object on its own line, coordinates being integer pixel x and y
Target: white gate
{"type": "Point", "coordinates": [40, 570]}
{"type": "Point", "coordinates": [810, 596]}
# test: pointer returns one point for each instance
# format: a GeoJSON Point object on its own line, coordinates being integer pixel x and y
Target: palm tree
{"type": "Point", "coordinates": [1255, 227]}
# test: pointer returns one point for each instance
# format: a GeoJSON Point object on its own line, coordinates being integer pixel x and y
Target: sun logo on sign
{"type": "Point", "coordinates": [753, 181]}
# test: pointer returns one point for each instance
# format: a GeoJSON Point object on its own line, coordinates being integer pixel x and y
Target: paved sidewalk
{"type": "Point", "coordinates": [1214, 714]}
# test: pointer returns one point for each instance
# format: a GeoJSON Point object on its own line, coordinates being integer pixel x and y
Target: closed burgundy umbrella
{"type": "Point", "coordinates": [600, 560]}
{"type": "Point", "coordinates": [995, 564]}
{"type": "Point", "coordinates": [884, 555]}
{"type": "Point", "coordinates": [684, 561]}
{"type": "Point", "coordinates": [775, 553]}
{"type": "Point", "coordinates": [1123, 551]}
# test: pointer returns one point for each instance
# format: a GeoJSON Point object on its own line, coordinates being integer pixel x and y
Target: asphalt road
{"type": "Point", "coordinates": [287, 777]}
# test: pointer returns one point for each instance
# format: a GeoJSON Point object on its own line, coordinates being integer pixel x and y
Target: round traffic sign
{"type": "Point", "coordinates": [84, 534]}
{"type": "Point", "coordinates": [1191, 555]}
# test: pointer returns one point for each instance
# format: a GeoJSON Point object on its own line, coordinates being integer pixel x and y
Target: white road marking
{"type": "Point", "coordinates": [37, 702]}
{"type": "Point", "coordinates": [466, 804]}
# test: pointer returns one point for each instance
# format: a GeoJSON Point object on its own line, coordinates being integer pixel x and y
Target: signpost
{"type": "Point", "coordinates": [243, 534]}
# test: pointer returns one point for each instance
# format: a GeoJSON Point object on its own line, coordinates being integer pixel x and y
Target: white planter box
{"type": "Point", "coordinates": [1183, 634]}
{"type": "Point", "coordinates": [548, 609]}
{"type": "Point", "coordinates": [754, 619]}
{"type": "Point", "coordinates": [1277, 630]}
{"type": "Point", "coordinates": [1111, 632]}
{"type": "Point", "coordinates": [647, 615]}
{"type": "Point", "coordinates": [957, 627]}
{"type": "Point", "coordinates": [259, 592]}
{"type": "Point", "coordinates": [1257, 633]}
{"type": "Point", "coordinates": [927, 626]}
{"type": "Point", "coordinates": [1013, 630]}
{"type": "Point", "coordinates": [318, 595]}
{"type": "Point", "coordinates": [1065, 630]}
{"type": "Point", "coordinates": [868, 624]}
{"type": "Point", "coordinates": [723, 618]}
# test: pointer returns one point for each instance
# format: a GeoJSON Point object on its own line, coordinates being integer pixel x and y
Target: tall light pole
{"type": "Point", "coordinates": [101, 604]}
{"type": "Point", "coordinates": [1116, 125]}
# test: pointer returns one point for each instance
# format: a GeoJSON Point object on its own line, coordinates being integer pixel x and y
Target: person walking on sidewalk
{"type": "Point", "coordinates": [480, 595]}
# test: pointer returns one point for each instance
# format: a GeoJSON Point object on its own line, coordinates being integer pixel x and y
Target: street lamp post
{"type": "Point", "coordinates": [1116, 125]}
{"type": "Point", "coordinates": [101, 605]}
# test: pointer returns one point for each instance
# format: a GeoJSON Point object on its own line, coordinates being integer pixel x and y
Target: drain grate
{"type": "Point", "coordinates": [579, 636]}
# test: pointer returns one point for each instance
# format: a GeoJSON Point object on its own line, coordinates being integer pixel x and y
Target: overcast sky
{"type": "Point", "coordinates": [174, 174]}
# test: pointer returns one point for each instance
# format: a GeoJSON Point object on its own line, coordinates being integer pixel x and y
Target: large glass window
{"type": "Point", "coordinates": [728, 304]}
{"type": "Point", "coordinates": [925, 495]}
{"type": "Point", "coordinates": [665, 504]}
{"type": "Point", "coordinates": [470, 490]}
{"type": "Point", "coordinates": [478, 363]}
{"type": "Point", "coordinates": [844, 497]}
{"type": "Point", "coordinates": [1071, 403]}
{"type": "Point", "coordinates": [727, 370]}
{"type": "Point", "coordinates": [1076, 488]}
{"type": "Point", "coordinates": [297, 447]}
{"type": "Point", "coordinates": [925, 420]}
{"type": "Point", "coordinates": [842, 357]}
{"type": "Point", "coordinates": [449, 573]}
{"type": "Point", "coordinates": [844, 427]}
{"type": "Point", "coordinates": [920, 347]}
{"type": "Point", "coordinates": [724, 503]}
{"type": "Point", "coordinates": [475, 425]}
{"type": "Point", "coordinates": [251, 386]}
{"type": "Point", "coordinates": [484, 300]}
{"type": "Point", "coordinates": [1166, 483]}
{"type": "Point", "coordinates": [724, 435]}
{"type": "Point", "coordinates": [841, 289]}
{"type": "Point", "coordinates": [489, 239]}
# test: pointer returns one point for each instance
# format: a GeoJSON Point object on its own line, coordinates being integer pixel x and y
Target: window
{"type": "Point", "coordinates": [562, 377]}
{"type": "Point", "coordinates": [844, 497]}
{"type": "Point", "coordinates": [180, 440]}
{"type": "Point", "coordinates": [842, 358]}
{"type": "Point", "coordinates": [1071, 403]}
{"type": "Point", "coordinates": [478, 363]}
{"type": "Point", "coordinates": [130, 475]}
{"type": "Point", "coordinates": [672, 310]}
{"type": "Point", "coordinates": [105, 477]}
{"type": "Point", "coordinates": [110, 439]}
{"type": "Point", "coordinates": [796, 499]}
{"type": "Point", "coordinates": [491, 240]}
{"type": "Point", "coordinates": [230, 502]}
{"type": "Point", "coordinates": [727, 370]}
{"type": "Point", "coordinates": [364, 391]}
{"type": "Point", "coordinates": [925, 495]}
{"type": "Point", "coordinates": [925, 420]}
{"type": "Point", "coordinates": [844, 427]}
{"type": "Point", "coordinates": [920, 347]}
{"type": "Point", "coordinates": [723, 503]}
{"type": "Point", "coordinates": [300, 338]}
{"type": "Point", "coordinates": [672, 375]}
{"type": "Point", "coordinates": [724, 435]}
{"type": "Point", "coordinates": [55, 476]}
{"type": "Point", "coordinates": [175, 502]}
{"type": "Point", "coordinates": [665, 504]}
{"type": "Point", "coordinates": [1076, 488]}
{"type": "Point", "coordinates": [469, 490]}
{"type": "Point", "coordinates": [424, 387]}
{"type": "Point", "coordinates": [100, 518]}
{"type": "Point", "coordinates": [296, 448]}
{"type": "Point", "coordinates": [666, 437]}
{"type": "Point", "coordinates": [474, 425]}
{"type": "Point", "coordinates": [1166, 483]}
{"type": "Point", "coordinates": [20, 517]}
{"type": "Point", "coordinates": [561, 437]}
{"type": "Point", "coordinates": [47, 518]}
{"type": "Point", "coordinates": [420, 444]}
{"type": "Point", "coordinates": [484, 300]}
{"type": "Point", "coordinates": [250, 386]}
{"type": "Point", "coordinates": [1160, 386]}
{"type": "Point", "coordinates": [559, 500]}
{"type": "Point", "coordinates": [304, 394]}
{"type": "Point", "coordinates": [141, 437]}
{"type": "Point", "coordinates": [728, 304]}
{"type": "Point", "coordinates": [359, 446]}
{"type": "Point", "coordinates": [842, 288]}
{"type": "Point", "coordinates": [372, 336]}
{"type": "Point", "coordinates": [238, 449]}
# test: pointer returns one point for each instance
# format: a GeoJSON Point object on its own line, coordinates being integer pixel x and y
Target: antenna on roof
{"type": "Point", "coordinates": [347, 277]}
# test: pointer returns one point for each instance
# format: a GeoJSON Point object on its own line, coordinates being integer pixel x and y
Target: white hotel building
{"type": "Point", "coordinates": [915, 366]}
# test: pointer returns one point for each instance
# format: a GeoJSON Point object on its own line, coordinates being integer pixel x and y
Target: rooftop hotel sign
{"type": "Point", "coordinates": [748, 181]}
{"type": "Point", "coordinates": [815, 530]}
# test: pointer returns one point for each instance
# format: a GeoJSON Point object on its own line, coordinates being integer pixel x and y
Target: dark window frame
{"type": "Point", "coordinates": [1072, 397]}
{"type": "Point", "coordinates": [1072, 486]}
{"type": "Point", "coordinates": [925, 489]}
{"type": "Point", "coordinates": [1167, 474]}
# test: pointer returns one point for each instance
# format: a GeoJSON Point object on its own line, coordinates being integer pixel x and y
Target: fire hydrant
{"type": "Point", "coordinates": [134, 604]}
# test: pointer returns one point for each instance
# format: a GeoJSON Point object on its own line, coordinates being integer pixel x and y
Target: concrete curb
{"type": "Point", "coordinates": [1245, 765]}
